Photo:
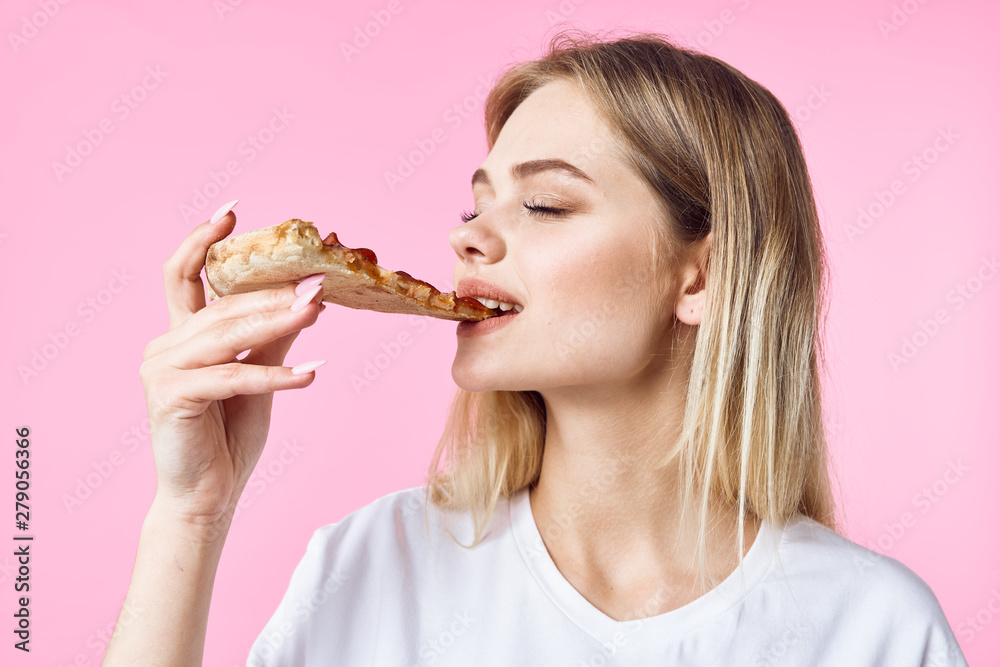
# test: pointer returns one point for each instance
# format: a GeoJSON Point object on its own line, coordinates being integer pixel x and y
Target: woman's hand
{"type": "Point", "coordinates": [209, 412]}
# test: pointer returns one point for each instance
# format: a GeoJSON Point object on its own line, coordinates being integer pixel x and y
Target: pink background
{"type": "Point", "coordinates": [866, 102]}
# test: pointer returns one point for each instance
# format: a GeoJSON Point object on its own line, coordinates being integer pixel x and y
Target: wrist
{"type": "Point", "coordinates": [167, 514]}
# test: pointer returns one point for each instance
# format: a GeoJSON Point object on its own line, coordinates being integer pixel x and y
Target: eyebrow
{"type": "Point", "coordinates": [525, 169]}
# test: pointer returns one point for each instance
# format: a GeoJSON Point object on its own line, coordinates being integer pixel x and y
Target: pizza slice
{"type": "Point", "coordinates": [286, 253]}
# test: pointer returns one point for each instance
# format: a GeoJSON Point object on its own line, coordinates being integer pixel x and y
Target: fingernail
{"type": "Point", "coordinates": [305, 298]}
{"type": "Point", "coordinates": [312, 280]}
{"type": "Point", "coordinates": [307, 367]}
{"type": "Point", "coordinates": [225, 208]}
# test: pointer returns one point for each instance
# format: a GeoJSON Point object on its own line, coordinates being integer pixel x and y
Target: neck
{"type": "Point", "coordinates": [604, 510]}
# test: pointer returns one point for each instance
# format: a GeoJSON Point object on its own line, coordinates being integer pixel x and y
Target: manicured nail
{"type": "Point", "coordinates": [305, 298]}
{"type": "Point", "coordinates": [221, 213]}
{"type": "Point", "coordinates": [307, 367]}
{"type": "Point", "coordinates": [312, 280]}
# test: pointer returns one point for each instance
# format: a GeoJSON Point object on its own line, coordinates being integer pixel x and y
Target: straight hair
{"type": "Point", "coordinates": [722, 155]}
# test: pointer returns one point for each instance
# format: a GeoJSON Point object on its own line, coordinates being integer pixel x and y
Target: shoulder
{"type": "Point", "coordinates": [362, 550]}
{"type": "Point", "coordinates": [812, 549]}
{"type": "Point", "coordinates": [400, 525]}
{"type": "Point", "coordinates": [357, 574]}
{"type": "Point", "coordinates": [841, 583]}
{"type": "Point", "coordinates": [397, 504]}
{"type": "Point", "coordinates": [389, 518]}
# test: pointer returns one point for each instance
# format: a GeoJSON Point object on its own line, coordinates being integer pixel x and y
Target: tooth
{"type": "Point", "coordinates": [481, 300]}
{"type": "Point", "coordinates": [519, 308]}
{"type": "Point", "coordinates": [491, 303]}
{"type": "Point", "coordinates": [506, 306]}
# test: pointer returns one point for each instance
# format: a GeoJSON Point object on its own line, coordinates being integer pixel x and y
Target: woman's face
{"type": "Point", "coordinates": [595, 305]}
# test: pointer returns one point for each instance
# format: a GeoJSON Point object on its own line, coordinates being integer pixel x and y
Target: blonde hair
{"type": "Point", "coordinates": [722, 155]}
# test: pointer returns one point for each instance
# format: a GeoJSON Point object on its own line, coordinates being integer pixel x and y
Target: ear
{"type": "Point", "coordinates": [693, 276]}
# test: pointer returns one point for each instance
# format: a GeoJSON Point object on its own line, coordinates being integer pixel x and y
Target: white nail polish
{"type": "Point", "coordinates": [307, 367]}
{"type": "Point", "coordinates": [225, 208]}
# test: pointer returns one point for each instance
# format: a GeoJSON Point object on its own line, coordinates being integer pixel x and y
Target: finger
{"type": "Point", "coordinates": [230, 307]}
{"type": "Point", "coordinates": [200, 386]}
{"type": "Point", "coordinates": [182, 272]}
{"type": "Point", "coordinates": [221, 342]}
{"type": "Point", "coordinates": [274, 353]}
{"type": "Point", "coordinates": [270, 354]}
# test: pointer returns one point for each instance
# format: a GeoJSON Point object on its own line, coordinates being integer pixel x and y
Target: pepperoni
{"type": "Point", "coordinates": [367, 254]}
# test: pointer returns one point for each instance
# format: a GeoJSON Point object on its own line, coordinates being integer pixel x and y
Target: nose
{"type": "Point", "coordinates": [477, 241]}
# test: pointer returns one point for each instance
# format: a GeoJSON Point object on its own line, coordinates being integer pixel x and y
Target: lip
{"type": "Point", "coordinates": [469, 329]}
{"type": "Point", "coordinates": [477, 287]}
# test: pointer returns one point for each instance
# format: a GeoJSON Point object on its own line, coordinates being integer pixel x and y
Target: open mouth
{"type": "Point", "coordinates": [488, 325]}
{"type": "Point", "coordinates": [501, 308]}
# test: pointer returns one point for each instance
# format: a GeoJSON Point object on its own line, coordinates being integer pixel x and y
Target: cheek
{"type": "Point", "coordinates": [597, 305]}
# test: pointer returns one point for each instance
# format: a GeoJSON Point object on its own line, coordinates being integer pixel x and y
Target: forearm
{"type": "Point", "coordinates": [165, 613]}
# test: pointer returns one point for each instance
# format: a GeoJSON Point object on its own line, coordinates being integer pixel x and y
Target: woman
{"type": "Point", "coordinates": [635, 468]}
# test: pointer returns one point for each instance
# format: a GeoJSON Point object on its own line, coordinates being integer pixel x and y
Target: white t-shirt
{"type": "Point", "coordinates": [376, 589]}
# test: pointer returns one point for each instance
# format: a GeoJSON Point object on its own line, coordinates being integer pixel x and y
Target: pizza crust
{"type": "Point", "coordinates": [276, 256]}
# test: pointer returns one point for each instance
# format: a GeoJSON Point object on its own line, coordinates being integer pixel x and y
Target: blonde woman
{"type": "Point", "coordinates": [634, 470]}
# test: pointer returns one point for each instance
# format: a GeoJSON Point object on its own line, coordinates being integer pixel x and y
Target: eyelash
{"type": "Point", "coordinates": [543, 212]}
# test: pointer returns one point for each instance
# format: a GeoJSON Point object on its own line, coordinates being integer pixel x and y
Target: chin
{"type": "Point", "coordinates": [479, 377]}
{"type": "Point", "coordinates": [471, 381]}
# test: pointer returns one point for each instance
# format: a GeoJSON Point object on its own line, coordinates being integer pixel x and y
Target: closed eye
{"type": "Point", "coordinates": [542, 211]}
{"type": "Point", "coordinates": [538, 210]}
